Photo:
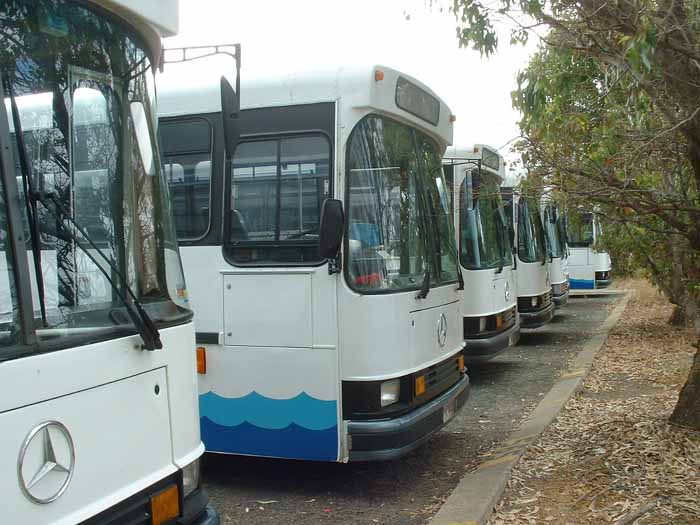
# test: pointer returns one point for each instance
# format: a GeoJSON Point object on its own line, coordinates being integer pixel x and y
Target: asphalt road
{"type": "Point", "coordinates": [409, 490]}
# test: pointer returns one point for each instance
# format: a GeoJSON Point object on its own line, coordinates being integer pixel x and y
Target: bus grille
{"type": "Point", "coordinates": [438, 378]}
{"type": "Point", "coordinates": [525, 303]}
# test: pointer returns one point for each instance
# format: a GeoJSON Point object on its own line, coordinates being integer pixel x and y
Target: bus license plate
{"type": "Point", "coordinates": [448, 411]}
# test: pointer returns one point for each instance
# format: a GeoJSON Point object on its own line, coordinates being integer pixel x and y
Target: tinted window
{"type": "Point", "coordinates": [187, 153]}
{"type": "Point", "coordinates": [483, 229]}
{"type": "Point", "coordinates": [277, 190]}
{"type": "Point", "coordinates": [580, 229]}
{"type": "Point", "coordinates": [531, 240]}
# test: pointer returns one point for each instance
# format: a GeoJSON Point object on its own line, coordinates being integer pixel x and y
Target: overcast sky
{"type": "Point", "coordinates": [298, 34]}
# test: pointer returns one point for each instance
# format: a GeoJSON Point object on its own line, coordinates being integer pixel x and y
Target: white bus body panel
{"type": "Point", "coordinates": [126, 436]}
{"type": "Point", "coordinates": [584, 262]}
{"type": "Point", "coordinates": [392, 335]}
{"type": "Point", "coordinates": [485, 291]}
{"type": "Point", "coordinates": [532, 279]}
{"type": "Point", "coordinates": [557, 270]}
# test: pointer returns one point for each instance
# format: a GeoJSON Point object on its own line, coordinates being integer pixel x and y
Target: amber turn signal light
{"type": "Point", "coordinates": [165, 506]}
{"type": "Point", "coordinates": [201, 360]}
{"type": "Point", "coordinates": [420, 385]}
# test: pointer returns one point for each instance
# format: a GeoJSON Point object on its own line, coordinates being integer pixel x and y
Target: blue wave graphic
{"type": "Point", "coordinates": [272, 414]}
{"type": "Point", "coordinates": [292, 442]}
{"type": "Point", "coordinates": [581, 284]}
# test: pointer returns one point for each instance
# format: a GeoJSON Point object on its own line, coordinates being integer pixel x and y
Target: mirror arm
{"type": "Point", "coordinates": [335, 264]}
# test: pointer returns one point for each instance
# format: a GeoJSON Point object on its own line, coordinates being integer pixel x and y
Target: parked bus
{"type": "Point", "coordinates": [489, 307]}
{"type": "Point", "coordinates": [535, 305]}
{"type": "Point", "coordinates": [326, 337]}
{"type": "Point", "coordinates": [554, 222]}
{"type": "Point", "coordinates": [589, 267]}
{"type": "Point", "coordinates": [98, 408]}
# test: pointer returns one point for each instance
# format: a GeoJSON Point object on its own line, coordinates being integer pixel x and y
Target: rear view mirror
{"type": "Point", "coordinates": [230, 111]}
{"type": "Point", "coordinates": [331, 228]}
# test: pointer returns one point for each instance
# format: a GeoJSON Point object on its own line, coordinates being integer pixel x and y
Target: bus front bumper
{"type": "Point", "coordinates": [602, 279]}
{"type": "Point", "coordinates": [560, 300]}
{"type": "Point", "coordinates": [537, 318]}
{"type": "Point", "coordinates": [485, 348]}
{"type": "Point", "coordinates": [195, 510]}
{"type": "Point", "coordinates": [392, 438]}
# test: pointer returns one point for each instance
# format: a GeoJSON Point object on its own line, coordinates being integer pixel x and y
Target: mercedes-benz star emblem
{"type": "Point", "coordinates": [442, 330]}
{"type": "Point", "coordinates": [46, 462]}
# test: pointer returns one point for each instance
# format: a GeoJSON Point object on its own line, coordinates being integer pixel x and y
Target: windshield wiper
{"type": "Point", "coordinates": [144, 324]}
{"type": "Point", "coordinates": [27, 182]}
{"type": "Point", "coordinates": [501, 242]}
{"type": "Point", "coordinates": [425, 287]}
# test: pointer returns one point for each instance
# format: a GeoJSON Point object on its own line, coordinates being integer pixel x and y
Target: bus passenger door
{"type": "Point", "coordinates": [275, 390]}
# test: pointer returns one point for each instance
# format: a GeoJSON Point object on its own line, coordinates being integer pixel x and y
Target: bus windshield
{"type": "Point", "coordinates": [580, 229]}
{"type": "Point", "coordinates": [483, 242]}
{"type": "Point", "coordinates": [531, 240]}
{"type": "Point", "coordinates": [397, 209]}
{"type": "Point", "coordinates": [79, 105]}
{"type": "Point", "coordinates": [551, 228]}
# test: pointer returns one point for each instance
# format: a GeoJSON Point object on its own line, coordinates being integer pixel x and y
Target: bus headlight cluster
{"type": "Point", "coordinates": [390, 392]}
{"type": "Point", "coordinates": [190, 478]}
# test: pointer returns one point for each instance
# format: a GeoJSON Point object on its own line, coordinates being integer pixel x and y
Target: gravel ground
{"type": "Point", "coordinates": [611, 454]}
{"type": "Point", "coordinates": [409, 490]}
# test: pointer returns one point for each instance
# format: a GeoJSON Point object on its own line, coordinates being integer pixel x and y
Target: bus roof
{"type": "Point", "coordinates": [490, 159]}
{"type": "Point", "coordinates": [152, 19]}
{"type": "Point", "coordinates": [369, 87]}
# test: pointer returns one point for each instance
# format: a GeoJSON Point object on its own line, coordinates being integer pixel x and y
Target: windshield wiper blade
{"type": "Point", "coordinates": [144, 324]}
{"type": "Point", "coordinates": [28, 184]}
{"type": "Point", "coordinates": [425, 287]}
{"type": "Point", "coordinates": [501, 237]}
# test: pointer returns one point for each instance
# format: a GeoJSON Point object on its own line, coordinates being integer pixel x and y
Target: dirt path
{"type": "Point", "coordinates": [611, 455]}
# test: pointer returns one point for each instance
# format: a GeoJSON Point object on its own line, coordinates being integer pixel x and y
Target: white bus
{"type": "Point", "coordinates": [98, 404]}
{"type": "Point", "coordinates": [326, 337]}
{"type": "Point", "coordinates": [489, 304]}
{"type": "Point", "coordinates": [554, 222]}
{"type": "Point", "coordinates": [589, 267]}
{"type": "Point", "coordinates": [535, 305]}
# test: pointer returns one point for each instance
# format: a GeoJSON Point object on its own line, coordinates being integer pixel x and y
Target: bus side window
{"type": "Point", "coordinates": [187, 152]}
{"type": "Point", "coordinates": [277, 188]}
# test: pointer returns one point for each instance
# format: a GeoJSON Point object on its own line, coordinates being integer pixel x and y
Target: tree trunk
{"type": "Point", "coordinates": [678, 316]}
{"type": "Point", "coordinates": [687, 411]}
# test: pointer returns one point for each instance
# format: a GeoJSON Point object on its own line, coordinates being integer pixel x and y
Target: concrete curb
{"type": "Point", "coordinates": [473, 499]}
{"type": "Point", "coordinates": [597, 292]}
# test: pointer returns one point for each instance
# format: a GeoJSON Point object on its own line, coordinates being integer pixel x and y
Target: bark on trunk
{"type": "Point", "coordinates": [678, 317]}
{"type": "Point", "coordinates": [687, 411]}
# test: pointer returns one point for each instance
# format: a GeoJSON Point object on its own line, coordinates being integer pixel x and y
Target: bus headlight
{"type": "Point", "coordinates": [190, 478]}
{"type": "Point", "coordinates": [389, 392]}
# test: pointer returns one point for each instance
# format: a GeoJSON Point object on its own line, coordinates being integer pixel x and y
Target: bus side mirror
{"type": "Point", "coordinates": [331, 228]}
{"type": "Point", "coordinates": [230, 111]}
